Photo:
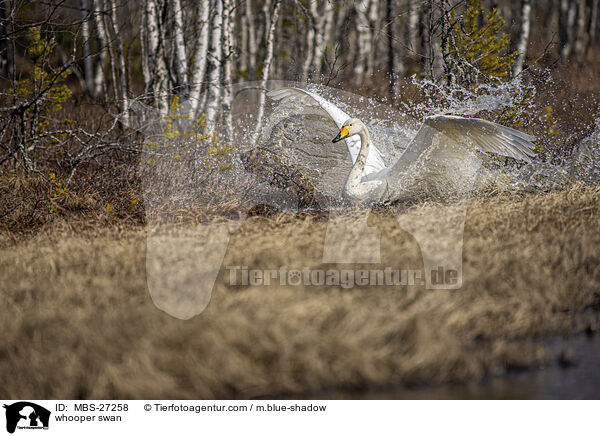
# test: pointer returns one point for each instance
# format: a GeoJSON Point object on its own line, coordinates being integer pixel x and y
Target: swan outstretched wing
{"type": "Point", "coordinates": [481, 134]}
{"type": "Point", "coordinates": [485, 135]}
{"type": "Point", "coordinates": [374, 161]}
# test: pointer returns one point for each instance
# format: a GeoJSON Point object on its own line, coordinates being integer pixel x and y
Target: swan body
{"type": "Point", "coordinates": [371, 181]}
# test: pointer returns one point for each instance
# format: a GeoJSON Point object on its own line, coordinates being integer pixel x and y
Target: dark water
{"type": "Point", "coordinates": [574, 375]}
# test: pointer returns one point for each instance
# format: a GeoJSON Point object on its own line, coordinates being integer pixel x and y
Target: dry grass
{"type": "Point", "coordinates": [78, 322]}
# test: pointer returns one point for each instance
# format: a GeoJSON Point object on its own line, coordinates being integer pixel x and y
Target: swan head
{"type": "Point", "coordinates": [352, 126]}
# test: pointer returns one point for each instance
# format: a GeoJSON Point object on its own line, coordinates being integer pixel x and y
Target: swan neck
{"type": "Point", "coordinates": [365, 142]}
{"type": "Point", "coordinates": [355, 176]}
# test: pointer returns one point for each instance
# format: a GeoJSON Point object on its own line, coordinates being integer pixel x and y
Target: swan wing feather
{"type": "Point", "coordinates": [485, 135]}
{"type": "Point", "coordinates": [374, 160]}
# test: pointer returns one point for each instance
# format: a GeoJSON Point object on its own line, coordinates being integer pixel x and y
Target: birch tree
{"type": "Point", "coordinates": [374, 31]}
{"type": "Point", "coordinates": [6, 55]}
{"type": "Point", "coordinates": [99, 82]}
{"type": "Point", "coordinates": [413, 28]}
{"type": "Point", "coordinates": [180, 52]}
{"type": "Point", "coordinates": [581, 34]}
{"type": "Point", "coordinates": [395, 66]}
{"type": "Point", "coordinates": [594, 21]}
{"type": "Point", "coordinates": [251, 36]}
{"type": "Point", "coordinates": [309, 42]}
{"type": "Point", "coordinates": [228, 24]}
{"type": "Point", "coordinates": [323, 23]}
{"type": "Point", "coordinates": [156, 82]}
{"type": "Point", "coordinates": [523, 36]}
{"type": "Point", "coordinates": [567, 23]}
{"type": "Point", "coordinates": [266, 69]}
{"type": "Point", "coordinates": [87, 54]}
{"type": "Point", "coordinates": [200, 54]}
{"type": "Point", "coordinates": [120, 60]}
{"type": "Point", "coordinates": [215, 55]}
{"type": "Point", "coordinates": [361, 66]}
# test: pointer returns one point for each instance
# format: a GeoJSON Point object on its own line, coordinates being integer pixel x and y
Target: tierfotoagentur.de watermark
{"type": "Point", "coordinates": [240, 275]}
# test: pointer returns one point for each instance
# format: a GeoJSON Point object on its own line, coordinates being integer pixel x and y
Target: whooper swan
{"type": "Point", "coordinates": [370, 181]}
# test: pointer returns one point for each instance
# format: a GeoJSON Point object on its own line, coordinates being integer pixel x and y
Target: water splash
{"type": "Point", "coordinates": [295, 153]}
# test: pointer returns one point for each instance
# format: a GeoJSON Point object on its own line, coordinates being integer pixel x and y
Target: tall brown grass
{"type": "Point", "coordinates": [77, 320]}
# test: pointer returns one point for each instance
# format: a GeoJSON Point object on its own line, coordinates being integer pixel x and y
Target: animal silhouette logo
{"type": "Point", "coordinates": [26, 415]}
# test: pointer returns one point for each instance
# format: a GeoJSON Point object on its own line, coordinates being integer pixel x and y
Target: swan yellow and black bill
{"type": "Point", "coordinates": [342, 134]}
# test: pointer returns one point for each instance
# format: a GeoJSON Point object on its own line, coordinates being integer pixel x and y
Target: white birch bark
{"type": "Point", "coordinates": [374, 21]}
{"type": "Point", "coordinates": [327, 32]}
{"type": "Point", "coordinates": [323, 19]}
{"type": "Point", "coordinates": [99, 82]}
{"type": "Point", "coordinates": [266, 69]}
{"type": "Point", "coordinates": [266, 11]}
{"type": "Point", "coordinates": [309, 45]}
{"type": "Point", "coordinates": [427, 44]}
{"type": "Point", "coordinates": [155, 51]}
{"type": "Point", "coordinates": [110, 39]}
{"type": "Point", "coordinates": [413, 28]}
{"type": "Point", "coordinates": [228, 24]}
{"type": "Point", "coordinates": [120, 63]}
{"type": "Point", "coordinates": [180, 53]}
{"type": "Point", "coordinates": [395, 65]}
{"type": "Point", "coordinates": [87, 58]}
{"type": "Point", "coordinates": [215, 54]}
{"type": "Point", "coordinates": [523, 36]}
{"type": "Point", "coordinates": [144, 52]}
{"type": "Point", "coordinates": [363, 40]}
{"type": "Point", "coordinates": [200, 54]}
{"type": "Point", "coordinates": [242, 59]}
{"type": "Point", "coordinates": [252, 45]}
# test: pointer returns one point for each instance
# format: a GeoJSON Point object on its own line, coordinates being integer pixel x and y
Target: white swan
{"type": "Point", "coordinates": [370, 181]}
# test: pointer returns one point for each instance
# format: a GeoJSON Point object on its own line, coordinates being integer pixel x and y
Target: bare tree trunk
{"type": "Point", "coordinates": [395, 65]}
{"type": "Point", "coordinates": [228, 21]}
{"type": "Point", "coordinates": [426, 43]}
{"type": "Point", "coordinates": [242, 59]}
{"type": "Point", "coordinates": [438, 62]}
{"type": "Point", "coordinates": [87, 55]}
{"type": "Point", "coordinates": [215, 56]}
{"type": "Point", "coordinates": [374, 29]}
{"type": "Point", "coordinates": [252, 45]}
{"type": "Point", "coordinates": [523, 36]}
{"type": "Point", "coordinates": [158, 79]}
{"type": "Point", "coordinates": [551, 23]}
{"type": "Point", "coordinates": [106, 19]}
{"type": "Point", "coordinates": [266, 11]}
{"type": "Point", "coordinates": [120, 62]}
{"type": "Point", "coordinates": [581, 36]}
{"type": "Point", "coordinates": [309, 45]}
{"type": "Point", "coordinates": [99, 82]}
{"type": "Point", "coordinates": [266, 68]}
{"type": "Point", "coordinates": [413, 28]}
{"type": "Point", "coordinates": [323, 31]}
{"type": "Point", "coordinates": [6, 55]}
{"type": "Point", "coordinates": [594, 21]}
{"type": "Point", "coordinates": [180, 54]}
{"type": "Point", "coordinates": [200, 54]}
{"type": "Point", "coordinates": [567, 23]}
{"type": "Point", "coordinates": [364, 40]}
{"type": "Point", "coordinates": [144, 52]}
